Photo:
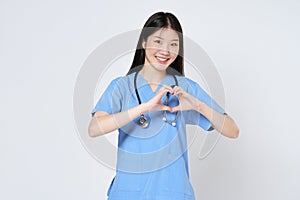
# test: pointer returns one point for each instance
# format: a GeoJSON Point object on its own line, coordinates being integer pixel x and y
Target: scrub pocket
{"type": "Point", "coordinates": [132, 182]}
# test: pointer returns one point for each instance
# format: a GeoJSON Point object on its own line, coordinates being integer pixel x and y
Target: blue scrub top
{"type": "Point", "coordinates": [152, 162]}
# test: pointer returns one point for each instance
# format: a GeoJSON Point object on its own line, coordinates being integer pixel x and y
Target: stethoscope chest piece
{"type": "Point", "coordinates": [143, 122]}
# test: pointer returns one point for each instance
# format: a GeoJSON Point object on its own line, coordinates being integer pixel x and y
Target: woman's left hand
{"type": "Point", "coordinates": [186, 100]}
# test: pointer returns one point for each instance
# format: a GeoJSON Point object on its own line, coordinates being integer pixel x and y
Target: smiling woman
{"type": "Point", "coordinates": [159, 48]}
{"type": "Point", "coordinates": [150, 107]}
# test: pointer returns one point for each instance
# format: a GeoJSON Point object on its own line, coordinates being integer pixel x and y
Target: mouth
{"type": "Point", "coordinates": [162, 60]}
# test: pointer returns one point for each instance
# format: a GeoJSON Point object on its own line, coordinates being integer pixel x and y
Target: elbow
{"type": "Point", "coordinates": [235, 133]}
{"type": "Point", "coordinates": [91, 132]}
{"type": "Point", "coordinates": [95, 129]}
{"type": "Point", "coordinates": [94, 132]}
{"type": "Point", "coordinates": [234, 129]}
{"type": "Point", "coordinates": [232, 132]}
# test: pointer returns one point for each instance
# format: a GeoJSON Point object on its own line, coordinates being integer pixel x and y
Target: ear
{"type": "Point", "coordinates": [143, 43]}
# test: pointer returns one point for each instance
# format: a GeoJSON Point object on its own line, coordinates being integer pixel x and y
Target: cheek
{"type": "Point", "coordinates": [174, 55]}
{"type": "Point", "coordinates": [151, 51]}
{"type": "Point", "coordinates": [174, 52]}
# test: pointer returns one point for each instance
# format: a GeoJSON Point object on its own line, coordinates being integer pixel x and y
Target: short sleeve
{"type": "Point", "coordinates": [111, 99]}
{"type": "Point", "coordinates": [195, 118]}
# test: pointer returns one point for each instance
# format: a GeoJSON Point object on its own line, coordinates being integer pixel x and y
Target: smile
{"type": "Point", "coordinates": [162, 60]}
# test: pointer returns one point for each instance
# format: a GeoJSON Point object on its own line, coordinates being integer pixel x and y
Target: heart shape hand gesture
{"type": "Point", "coordinates": [186, 100]}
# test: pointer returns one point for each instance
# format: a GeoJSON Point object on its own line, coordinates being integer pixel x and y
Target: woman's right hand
{"type": "Point", "coordinates": [155, 103]}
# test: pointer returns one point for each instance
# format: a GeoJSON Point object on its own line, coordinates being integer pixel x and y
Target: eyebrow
{"type": "Point", "coordinates": [163, 38]}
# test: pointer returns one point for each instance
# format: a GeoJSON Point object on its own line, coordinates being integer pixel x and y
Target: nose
{"type": "Point", "coordinates": [164, 49]}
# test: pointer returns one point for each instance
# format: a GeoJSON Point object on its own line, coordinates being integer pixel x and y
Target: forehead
{"type": "Point", "coordinates": [166, 34]}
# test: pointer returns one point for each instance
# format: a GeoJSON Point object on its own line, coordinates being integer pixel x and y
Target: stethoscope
{"type": "Point", "coordinates": [143, 120]}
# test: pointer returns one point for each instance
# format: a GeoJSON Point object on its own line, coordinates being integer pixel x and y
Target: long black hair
{"type": "Point", "coordinates": [154, 23]}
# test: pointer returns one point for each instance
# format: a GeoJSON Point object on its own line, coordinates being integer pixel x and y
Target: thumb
{"type": "Point", "coordinates": [166, 108]}
{"type": "Point", "coordinates": [176, 108]}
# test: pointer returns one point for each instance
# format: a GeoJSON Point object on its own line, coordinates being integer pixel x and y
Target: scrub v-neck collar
{"type": "Point", "coordinates": [144, 82]}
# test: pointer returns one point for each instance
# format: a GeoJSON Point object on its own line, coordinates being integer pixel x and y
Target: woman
{"type": "Point", "coordinates": [150, 107]}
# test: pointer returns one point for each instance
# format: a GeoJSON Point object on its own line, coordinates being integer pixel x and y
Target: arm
{"type": "Point", "coordinates": [103, 122]}
{"type": "Point", "coordinates": [223, 123]}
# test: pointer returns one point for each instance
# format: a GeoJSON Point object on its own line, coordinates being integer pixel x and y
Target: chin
{"type": "Point", "coordinates": [160, 67]}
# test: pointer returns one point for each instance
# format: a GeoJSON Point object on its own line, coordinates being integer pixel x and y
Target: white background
{"type": "Point", "coordinates": [254, 45]}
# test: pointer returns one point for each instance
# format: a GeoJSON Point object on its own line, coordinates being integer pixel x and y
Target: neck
{"type": "Point", "coordinates": [152, 75]}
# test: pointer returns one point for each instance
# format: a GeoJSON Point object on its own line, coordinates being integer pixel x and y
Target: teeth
{"type": "Point", "coordinates": [161, 59]}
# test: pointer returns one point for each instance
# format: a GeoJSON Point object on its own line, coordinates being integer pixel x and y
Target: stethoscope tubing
{"type": "Point", "coordinates": [143, 121]}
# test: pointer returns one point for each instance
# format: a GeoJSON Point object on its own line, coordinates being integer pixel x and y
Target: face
{"type": "Point", "coordinates": [161, 48]}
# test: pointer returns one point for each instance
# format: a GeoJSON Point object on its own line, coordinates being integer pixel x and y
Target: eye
{"type": "Point", "coordinates": [157, 41]}
{"type": "Point", "coordinates": [174, 44]}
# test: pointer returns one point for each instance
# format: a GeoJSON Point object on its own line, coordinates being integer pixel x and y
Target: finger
{"type": "Point", "coordinates": [168, 87]}
{"type": "Point", "coordinates": [180, 91]}
{"type": "Point", "coordinates": [166, 108]}
{"type": "Point", "coordinates": [176, 108]}
{"type": "Point", "coordinates": [163, 107]}
{"type": "Point", "coordinates": [177, 91]}
{"type": "Point", "coordinates": [162, 91]}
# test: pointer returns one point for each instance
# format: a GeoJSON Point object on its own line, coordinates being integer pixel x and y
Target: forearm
{"type": "Point", "coordinates": [101, 125]}
{"type": "Point", "coordinates": [221, 122]}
